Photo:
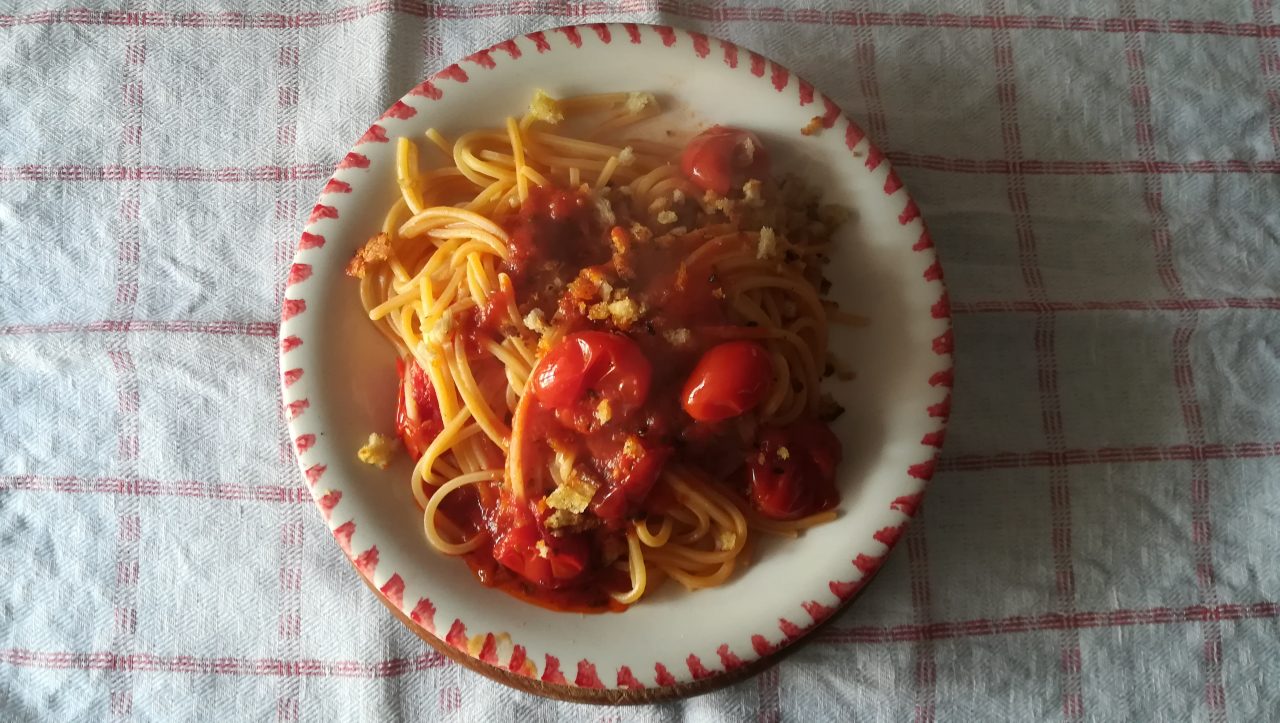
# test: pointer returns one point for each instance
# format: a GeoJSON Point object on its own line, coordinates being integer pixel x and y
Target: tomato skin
{"type": "Point", "coordinates": [417, 436]}
{"type": "Point", "coordinates": [722, 158]}
{"type": "Point", "coordinates": [802, 484]}
{"type": "Point", "coordinates": [730, 379]}
{"type": "Point", "coordinates": [610, 365]}
{"type": "Point", "coordinates": [560, 562]}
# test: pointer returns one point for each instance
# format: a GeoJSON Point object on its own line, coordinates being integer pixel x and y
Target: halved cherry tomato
{"type": "Point", "coordinates": [792, 473]}
{"type": "Point", "coordinates": [610, 366]}
{"type": "Point", "coordinates": [522, 546]}
{"type": "Point", "coordinates": [729, 379]}
{"type": "Point", "coordinates": [418, 434]}
{"type": "Point", "coordinates": [722, 158]}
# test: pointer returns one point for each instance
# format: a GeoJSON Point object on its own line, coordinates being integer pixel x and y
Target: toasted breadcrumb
{"type": "Point", "coordinates": [637, 102]}
{"type": "Point", "coordinates": [784, 453]}
{"type": "Point", "coordinates": [813, 127]}
{"type": "Point", "coordinates": [767, 248]}
{"type": "Point", "coordinates": [604, 411]}
{"type": "Point", "coordinates": [573, 496]}
{"type": "Point", "coordinates": [560, 519]}
{"type": "Point", "coordinates": [625, 312]}
{"type": "Point", "coordinates": [677, 337]}
{"type": "Point", "coordinates": [378, 451]}
{"type": "Point", "coordinates": [375, 251]}
{"type": "Point", "coordinates": [632, 447]}
{"type": "Point", "coordinates": [545, 108]}
{"type": "Point", "coordinates": [726, 539]}
{"type": "Point", "coordinates": [536, 321]}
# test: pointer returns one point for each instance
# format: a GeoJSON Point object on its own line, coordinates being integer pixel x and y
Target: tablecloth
{"type": "Point", "coordinates": [1102, 540]}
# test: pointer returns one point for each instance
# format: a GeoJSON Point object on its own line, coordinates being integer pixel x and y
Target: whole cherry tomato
{"type": "Point", "coordinates": [729, 379]}
{"type": "Point", "coordinates": [722, 158]}
{"type": "Point", "coordinates": [586, 367]}
{"type": "Point", "coordinates": [791, 474]}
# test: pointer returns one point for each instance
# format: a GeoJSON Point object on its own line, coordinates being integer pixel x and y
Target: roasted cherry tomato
{"type": "Point", "coordinates": [722, 158]}
{"type": "Point", "coordinates": [791, 474]}
{"type": "Point", "coordinates": [631, 472]}
{"type": "Point", "coordinates": [417, 434]}
{"type": "Point", "coordinates": [729, 379]}
{"type": "Point", "coordinates": [588, 367]}
{"type": "Point", "coordinates": [545, 560]}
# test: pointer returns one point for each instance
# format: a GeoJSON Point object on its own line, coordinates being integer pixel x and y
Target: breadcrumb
{"type": "Point", "coordinates": [667, 217]}
{"type": "Point", "coordinates": [604, 411]}
{"type": "Point", "coordinates": [375, 251]}
{"type": "Point", "coordinates": [677, 337]}
{"type": "Point", "coordinates": [625, 312]}
{"type": "Point", "coordinates": [813, 127]}
{"type": "Point", "coordinates": [637, 102]}
{"type": "Point", "coordinates": [545, 108]}
{"type": "Point", "coordinates": [536, 321]}
{"type": "Point", "coordinates": [627, 156]}
{"type": "Point", "coordinates": [573, 496]}
{"type": "Point", "coordinates": [378, 451]}
{"type": "Point", "coordinates": [560, 519]}
{"type": "Point", "coordinates": [767, 247]}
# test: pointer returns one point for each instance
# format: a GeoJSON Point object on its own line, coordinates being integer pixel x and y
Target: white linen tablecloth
{"type": "Point", "coordinates": [1102, 541]}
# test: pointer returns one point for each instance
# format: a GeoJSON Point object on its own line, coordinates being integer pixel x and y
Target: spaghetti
{"type": "Point", "coordinates": [610, 349]}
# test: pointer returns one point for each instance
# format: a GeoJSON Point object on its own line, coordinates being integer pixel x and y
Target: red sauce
{"type": "Point", "coordinates": [643, 371]}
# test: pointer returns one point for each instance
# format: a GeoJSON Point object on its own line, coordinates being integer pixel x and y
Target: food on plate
{"type": "Point", "coordinates": [611, 340]}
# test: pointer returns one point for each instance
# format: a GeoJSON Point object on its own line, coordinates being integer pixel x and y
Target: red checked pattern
{"type": "Point", "coordinates": [809, 613]}
{"type": "Point", "coordinates": [1099, 541]}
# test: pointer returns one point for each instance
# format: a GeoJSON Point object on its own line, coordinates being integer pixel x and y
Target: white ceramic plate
{"type": "Point", "coordinates": [339, 374]}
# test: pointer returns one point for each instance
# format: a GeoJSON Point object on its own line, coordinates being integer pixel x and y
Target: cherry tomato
{"type": "Point", "coordinates": [417, 435]}
{"type": "Point", "coordinates": [632, 474]}
{"type": "Point", "coordinates": [522, 546]}
{"type": "Point", "coordinates": [729, 379]}
{"type": "Point", "coordinates": [722, 158]}
{"type": "Point", "coordinates": [792, 473]}
{"type": "Point", "coordinates": [609, 366]}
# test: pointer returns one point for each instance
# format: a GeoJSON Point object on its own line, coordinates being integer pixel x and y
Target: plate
{"type": "Point", "coordinates": [338, 375]}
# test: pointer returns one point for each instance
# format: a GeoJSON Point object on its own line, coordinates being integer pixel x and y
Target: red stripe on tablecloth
{"type": "Point", "coordinates": [984, 627]}
{"type": "Point", "coordinates": [986, 307]}
{"type": "Point", "coordinates": [192, 665]}
{"type": "Point", "coordinates": [29, 172]}
{"type": "Point", "coordinates": [178, 326]}
{"type": "Point", "coordinates": [1045, 343]}
{"type": "Point", "coordinates": [1269, 60]}
{"type": "Point", "coordinates": [127, 232]}
{"type": "Point", "coordinates": [136, 487]}
{"type": "Point", "coordinates": [287, 494]}
{"type": "Point", "coordinates": [926, 668]}
{"type": "Point", "coordinates": [227, 174]}
{"type": "Point", "coordinates": [864, 66]}
{"type": "Point", "coordinates": [289, 550]}
{"type": "Point", "coordinates": [1184, 377]}
{"type": "Point", "coordinates": [271, 328]}
{"type": "Point", "coordinates": [862, 634]}
{"type": "Point", "coordinates": [924, 663]}
{"type": "Point", "coordinates": [711, 13]}
{"type": "Point", "coordinates": [1107, 455]}
{"type": "Point", "coordinates": [1077, 168]}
